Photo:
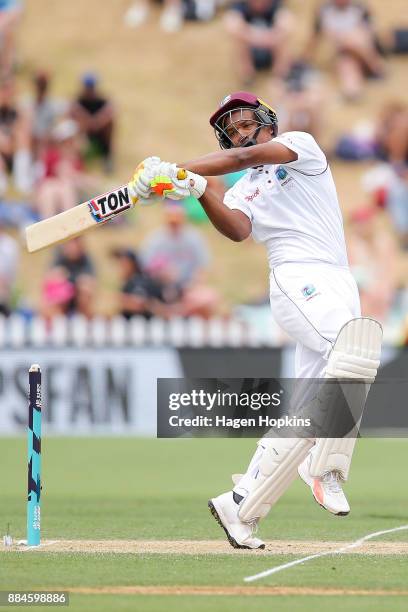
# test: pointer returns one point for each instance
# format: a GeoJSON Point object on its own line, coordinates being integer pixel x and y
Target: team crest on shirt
{"type": "Point", "coordinates": [282, 175]}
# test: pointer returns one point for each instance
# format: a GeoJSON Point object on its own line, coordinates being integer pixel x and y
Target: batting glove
{"type": "Point", "coordinates": [139, 185]}
{"type": "Point", "coordinates": [176, 183]}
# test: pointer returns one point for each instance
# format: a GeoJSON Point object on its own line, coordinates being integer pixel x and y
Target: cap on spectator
{"type": "Point", "coordinates": [68, 128]}
{"type": "Point", "coordinates": [89, 79]}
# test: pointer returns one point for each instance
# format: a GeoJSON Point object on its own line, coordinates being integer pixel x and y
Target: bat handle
{"type": "Point", "coordinates": [181, 175]}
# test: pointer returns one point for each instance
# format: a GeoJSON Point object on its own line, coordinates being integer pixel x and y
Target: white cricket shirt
{"type": "Point", "coordinates": [293, 207]}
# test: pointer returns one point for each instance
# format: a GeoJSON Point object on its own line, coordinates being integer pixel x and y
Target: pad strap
{"type": "Point", "coordinates": [277, 470]}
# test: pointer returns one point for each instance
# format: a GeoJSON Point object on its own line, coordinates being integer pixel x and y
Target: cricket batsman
{"type": "Point", "coordinates": [287, 200]}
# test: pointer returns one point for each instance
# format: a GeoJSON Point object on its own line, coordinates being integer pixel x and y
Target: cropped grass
{"type": "Point", "coordinates": [129, 488]}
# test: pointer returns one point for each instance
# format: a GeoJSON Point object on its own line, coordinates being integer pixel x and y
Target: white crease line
{"type": "Point", "coordinates": [37, 547]}
{"type": "Point", "coordinates": [337, 551]}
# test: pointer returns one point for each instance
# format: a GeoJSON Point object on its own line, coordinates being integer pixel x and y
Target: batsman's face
{"type": "Point", "coordinates": [240, 126]}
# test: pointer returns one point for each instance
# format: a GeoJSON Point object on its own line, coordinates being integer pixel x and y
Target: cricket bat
{"type": "Point", "coordinates": [81, 218]}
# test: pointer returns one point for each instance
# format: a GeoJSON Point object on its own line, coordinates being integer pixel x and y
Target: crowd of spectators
{"type": "Point", "coordinates": [45, 143]}
{"type": "Point", "coordinates": [166, 278]}
{"type": "Point", "coordinates": [50, 147]}
{"type": "Point", "coordinates": [262, 32]}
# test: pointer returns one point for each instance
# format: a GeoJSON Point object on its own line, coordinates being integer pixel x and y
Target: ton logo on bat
{"type": "Point", "coordinates": [110, 204]}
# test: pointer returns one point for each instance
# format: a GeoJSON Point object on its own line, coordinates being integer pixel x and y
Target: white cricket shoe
{"type": "Point", "coordinates": [326, 490]}
{"type": "Point", "coordinates": [239, 534]}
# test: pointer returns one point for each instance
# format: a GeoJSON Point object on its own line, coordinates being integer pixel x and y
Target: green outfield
{"type": "Point", "coordinates": [119, 490]}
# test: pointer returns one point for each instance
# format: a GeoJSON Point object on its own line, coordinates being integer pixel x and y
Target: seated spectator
{"type": "Point", "coordinates": [57, 294]}
{"type": "Point", "coordinates": [358, 144]}
{"type": "Point", "coordinates": [85, 295]}
{"type": "Point", "coordinates": [10, 12]}
{"type": "Point", "coordinates": [197, 299]}
{"type": "Point", "coordinates": [373, 256]}
{"type": "Point", "coordinates": [15, 154]}
{"type": "Point", "coordinates": [300, 101]}
{"type": "Point", "coordinates": [44, 111]}
{"type": "Point", "coordinates": [179, 244]}
{"type": "Point", "coordinates": [347, 25]}
{"type": "Point", "coordinates": [260, 31]}
{"type": "Point", "coordinates": [376, 182]}
{"type": "Point", "coordinates": [9, 258]}
{"type": "Point", "coordinates": [95, 116]}
{"type": "Point", "coordinates": [63, 179]}
{"type": "Point", "coordinates": [176, 257]}
{"type": "Point", "coordinates": [383, 137]}
{"type": "Point", "coordinates": [78, 269]}
{"type": "Point", "coordinates": [73, 257]}
{"type": "Point", "coordinates": [392, 133]}
{"type": "Point", "coordinates": [164, 276]}
{"type": "Point", "coordinates": [140, 294]}
{"type": "Point", "coordinates": [171, 18]}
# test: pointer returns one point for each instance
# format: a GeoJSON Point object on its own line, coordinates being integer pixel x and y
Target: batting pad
{"type": "Point", "coordinates": [277, 470]}
{"type": "Point", "coordinates": [355, 356]}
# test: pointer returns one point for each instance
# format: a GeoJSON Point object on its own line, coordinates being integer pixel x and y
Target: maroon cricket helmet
{"type": "Point", "coordinates": [264, 115]}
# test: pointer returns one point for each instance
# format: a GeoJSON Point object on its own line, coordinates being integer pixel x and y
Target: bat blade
{"type": "Point", "coordinates": [79, 219]}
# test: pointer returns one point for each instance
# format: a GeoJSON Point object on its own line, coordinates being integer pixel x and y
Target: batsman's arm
{"type": "Point", "coordinates": [233, 224]}
{"type": "Point", "coordinates": [240, 158]}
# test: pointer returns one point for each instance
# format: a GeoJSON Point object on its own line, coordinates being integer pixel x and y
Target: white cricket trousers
{"type": "Point", "coordinates": [311, 302]}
